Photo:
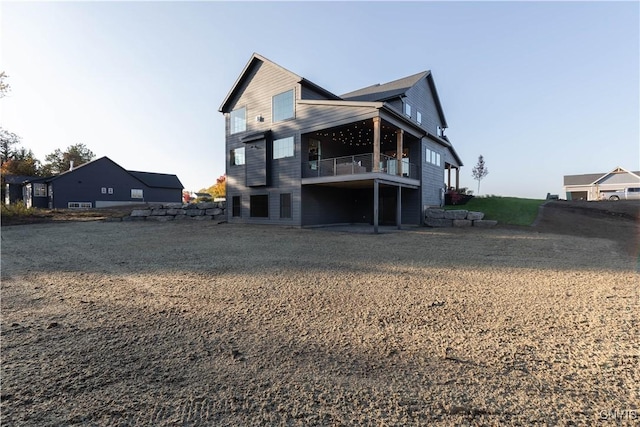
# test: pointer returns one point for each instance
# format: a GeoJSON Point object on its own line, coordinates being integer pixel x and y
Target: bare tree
{"type": "Point", "coordinates": [479, 171]}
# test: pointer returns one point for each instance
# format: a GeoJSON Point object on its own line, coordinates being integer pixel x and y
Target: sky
{"type": "Point", "coordinates": [540, 89]}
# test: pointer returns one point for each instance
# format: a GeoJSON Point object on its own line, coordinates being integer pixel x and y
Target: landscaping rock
{"type": "Point", "coordinates": [456, 214]}
{"type": "Point", "coordinates": [214, 211]}
{"type": "Point", "coordinates": [160, 218]}
{"type": "Point", "coordinates": [195, 212]}
{"type": "Point", "coordinates": [158, 212]}
{"type": "Point", "coordinates": [435, 213]}
{"type": "Point", "coordinates": [206, 205]}
{"type": "Point", "coordinates": [462, 223]}
{"type": "Point", "coordinates": [173, 205]}
{"type": "Point", "coordinates": [141, 212]}
{"type": "Point", "coordinates": [475, 216]}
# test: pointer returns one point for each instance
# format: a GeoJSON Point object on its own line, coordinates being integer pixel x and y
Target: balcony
{"type": "Point", "coordinates": [356, 165]}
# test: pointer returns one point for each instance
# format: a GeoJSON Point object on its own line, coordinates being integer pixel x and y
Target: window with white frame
{"type": "Point", "coordinates": [432, 157]}
{"type": "Point", "coordinates": [282, 106]}
{"type": "Point", "coordinates": [283, 148]}
{"type": "Point", "coordinates": [39, 190]}
{"type": "Point", "coordinates": [137, 193]}
{"type": "Point", "coordinates": [103, 190]}
{"type": "Point", "coordinates": [407, 109]}
{"type": "Point", "coordinates": [419, 117]}
{"type": "Point", "coordinates": [238, 120]}
{"type": "Point", "coordinates": [79, 205]}
{"type": "Point", "coordinates": [237, 156]}
{"type": "Point", "coordinates": [110, 190]}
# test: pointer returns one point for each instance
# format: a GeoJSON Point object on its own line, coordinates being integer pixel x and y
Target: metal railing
{"type": "Point", "coordinates": [358, 164]}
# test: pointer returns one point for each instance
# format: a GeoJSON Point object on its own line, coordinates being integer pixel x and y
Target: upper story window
{"type": "Point", "coordinates": [432, 157]}
{"type": "Point", "coordinates": [283, 148]}
{"type": "Point", "coordinates": [238, 120]}
{"type": "Point", "coordinates": [419, 117]}
{"type": "Point", "coordinates": [407, 109]}
{"type": "Point", "coordinates": [237, 156]}
{"type": "Point", "coordinates": [282, 106]}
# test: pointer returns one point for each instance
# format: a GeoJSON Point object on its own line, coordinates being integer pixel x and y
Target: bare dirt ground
{"type": "Point", "coordinates": [119, 323]}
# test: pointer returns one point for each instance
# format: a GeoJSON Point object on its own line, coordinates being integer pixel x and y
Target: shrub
{"type": "Point", "coordinates": [18, 209]}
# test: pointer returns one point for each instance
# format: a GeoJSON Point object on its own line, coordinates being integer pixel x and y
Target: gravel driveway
{"type": "Point", "coordinates": [198, 324]}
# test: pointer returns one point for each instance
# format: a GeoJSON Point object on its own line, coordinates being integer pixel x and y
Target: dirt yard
{"type": "Point", "coordinates": [191, 323]}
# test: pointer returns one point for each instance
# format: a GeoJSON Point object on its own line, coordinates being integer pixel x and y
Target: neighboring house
{"type": "Point", "coordinates": [596, 186]}
{"type": "Point", "coordinates": [299, 155]}
{"type": "Point", "coordinates": [13, 187]}
{"type": "Point", "coordinates": [101, 183]}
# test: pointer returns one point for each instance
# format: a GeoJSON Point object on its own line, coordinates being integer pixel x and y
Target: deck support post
{"type": "Point", "coordinates": [399, 208]}
{"type": "Point", "coordinates": [457, 179]}
{"type": "Point", "coordinates": [448, 177]}
{"type": "Point", "coordinates": [376, 200]}
{"type": "Point", "coordinates": [376, 144]}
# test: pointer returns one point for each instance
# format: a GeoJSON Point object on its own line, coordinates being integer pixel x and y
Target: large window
{"type": "Point", "coordinates": [283, 148]}
{"type": "Point", "coordinates": [137, 193]}
{"type": "Point", "coordinates": [285, 205]}
{"type": "Point", "coordinates": [237, 156]}
{"type": "Point", "coordinates": [419, 117]}
{"type": "Point", "coordinates": [238, 120]}
{"type": "Point", "coordinates": [236, 206]}
{"type": "Point", "coordinates": [259, 206]}
{"type": "Point", "coordinates": [283, 106]}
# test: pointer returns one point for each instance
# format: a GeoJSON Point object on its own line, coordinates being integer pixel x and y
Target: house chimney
{"type": "Point", "coordinates": [70, 165]}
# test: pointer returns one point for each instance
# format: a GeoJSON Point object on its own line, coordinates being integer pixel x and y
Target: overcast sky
{"type": "Point", "coordinates": [541, 89]}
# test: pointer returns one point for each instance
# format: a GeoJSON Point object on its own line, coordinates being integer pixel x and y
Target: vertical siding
{"type": "Point", "coordinates": [265, 81]}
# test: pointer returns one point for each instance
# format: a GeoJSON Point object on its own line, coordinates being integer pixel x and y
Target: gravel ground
{"type": "Point", "coordinates": [111, 323]}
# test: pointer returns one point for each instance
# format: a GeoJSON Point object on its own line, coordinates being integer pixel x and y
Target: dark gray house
{"type": "Point", "coordinates": [300, 155]}
{"type": "Point", "coordinates": [101, 183]}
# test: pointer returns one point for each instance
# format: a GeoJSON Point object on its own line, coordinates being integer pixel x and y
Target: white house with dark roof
{"type": "Point", "coordinates": [597, 186]}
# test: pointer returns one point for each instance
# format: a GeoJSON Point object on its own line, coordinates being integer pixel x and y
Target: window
{"type": "Point", "coordinates": [136, 193]}
{"type": "Point", "coordinates": [79, 205]}
{"type": "Point", "coordinates": [39, 190]}
{"type": "Point", "coordinates": [236, 206]}
{"type": "Point", "coordinates": [419, 117]}
{"type": "Point", "coordinates": [282, 106]}
{"type": "Point", "coordinates": [407, 109]}
{"type": "Point", "coordinates": [283, 148]}
{"type": "Point", "coordinates": [110, 190]}
{"type": "Point", "coordinates": [237, 156]}
{"type": "Point", "coordinates": [433, 157]}
{"type": "Point", "coordinates": [238, 120]}
{"type": "Point", "coordinates": [104, 190]}
{"type": "Point", "coordinates": [285, 205]}
{"type": "Point", "coordinates": [259, 206]}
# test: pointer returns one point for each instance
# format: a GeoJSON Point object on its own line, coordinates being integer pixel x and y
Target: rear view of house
{"type": "Point", "coordinates": [300, 155]}
{"type": "Point", "coordinates": [101, 183]}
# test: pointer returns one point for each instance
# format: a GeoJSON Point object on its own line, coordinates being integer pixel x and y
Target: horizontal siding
{"type": "Point", "coordinates": [317, 117]}
{"type": "Point", "coordinates": [421, 99]}
{"type": "Point", "coordinates": [432, 175]}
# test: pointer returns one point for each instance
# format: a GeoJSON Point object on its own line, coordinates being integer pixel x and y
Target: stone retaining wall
{"type": "Point", "coordinates": [210, 211]}
{"type": "Point", "coordinates": [438, 217]}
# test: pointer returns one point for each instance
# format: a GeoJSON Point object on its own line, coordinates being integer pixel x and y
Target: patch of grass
{"type": "Point", "coordinates": [16, 210]}
{"type": "Point", "coordinates": [506, 210]}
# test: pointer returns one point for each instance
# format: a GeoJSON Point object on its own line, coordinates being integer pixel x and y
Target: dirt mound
{"type": "Point", "coordinates": [614, 220]}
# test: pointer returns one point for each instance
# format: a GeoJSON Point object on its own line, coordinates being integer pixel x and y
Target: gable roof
{"type": "Point", "coordinates": [592, 178]}
{"type": "Point", "coordinates": [150, 179]}
{"type": "Point", "coordinates": [19, 179]}
{"type": "Point", "coordinates": [255, 59]}
{"type": "Point", "coordinates": [397, 89]}
{"type": "Point", "coordinates": [158, 180]}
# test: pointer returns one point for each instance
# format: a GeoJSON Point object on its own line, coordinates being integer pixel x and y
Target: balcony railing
{"type": "Point", "coordinates": [354, 165]}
